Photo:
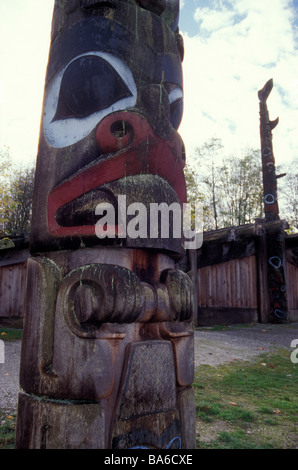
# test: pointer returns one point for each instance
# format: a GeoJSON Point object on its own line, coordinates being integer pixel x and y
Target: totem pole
{"type": "Point", "coordinates": [275, 243]}
{"type": "Point", "coordinates": [107, 351]}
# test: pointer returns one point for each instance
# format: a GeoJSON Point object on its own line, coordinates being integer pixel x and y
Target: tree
{"type": "Point", "coordinates": [288, 195]}
{"type": "Point", "coordinates": [6, 201]}
{"type": "Point", "coordinates": [16, 189]}
{"type": "Point", "coordinates": [242, 180]}
{"type": "Point", "coordinates": [207, 172]}
{"type": "Point", "coordinates": [231, 186]}
{"type": "Point", "coordinates": [18, 215]}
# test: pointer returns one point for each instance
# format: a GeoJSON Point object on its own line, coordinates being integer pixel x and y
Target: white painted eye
{"type": "Point", "coordinates": [176, 107]}
{"type": "Point", "coordinates": [87, 89]}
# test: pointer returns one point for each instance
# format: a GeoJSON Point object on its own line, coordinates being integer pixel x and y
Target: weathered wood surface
{"type": "Point", "coordinates": [12, 290]}
{"type": "Point", "coordinates": [292, 275]}
{"type": "Point", "coordinates": [107, 350]}
{"type": "Point", "coordinates": [230, 285]}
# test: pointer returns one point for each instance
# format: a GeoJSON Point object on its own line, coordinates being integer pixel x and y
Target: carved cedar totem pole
{"type": "Point", "coordinates": [275, 239]}
{"type": "Point", "coordinates": [107, 352]}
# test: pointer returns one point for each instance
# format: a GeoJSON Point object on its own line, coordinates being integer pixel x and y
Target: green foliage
{"type": "Point", "coordinates": [288, 194]}
{"type": "Point", "coordinates": [16, 190]}
{"type": "Point", "coordinates": [231, 187]}
{"type": "Point", "coordinates": [7, 430]}
{"type": "Point", "coordinates": [6, 201]}
{"type": "Point", "coordinates": [242, 199]}
{"type": "Point", "coordinates": [10, 334]}
{"type": "Point", "coordinates": [21, 191]}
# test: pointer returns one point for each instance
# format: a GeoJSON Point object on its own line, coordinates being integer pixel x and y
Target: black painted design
{"type": "Point", "coordinates": [89, 84]}
{"type": "Point", "coordinates": [141, 438]}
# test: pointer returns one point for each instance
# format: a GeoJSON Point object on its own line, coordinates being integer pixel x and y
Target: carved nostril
{"type": "Point", "coordinates": [114, 135]}
{"type": "Point", "coordinates": [121, 129]}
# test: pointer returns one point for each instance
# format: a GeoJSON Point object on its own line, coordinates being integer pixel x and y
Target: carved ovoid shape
{"type": "Point", "coordinates": [101, 293]}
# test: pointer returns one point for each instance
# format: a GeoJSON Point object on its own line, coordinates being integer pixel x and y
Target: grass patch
{"type": "Point", "coordinates": [7, 430]}
{"type": "Point", "coordinates": [10, 334]}
{"type": "Point", "coordinates": [248, 405]}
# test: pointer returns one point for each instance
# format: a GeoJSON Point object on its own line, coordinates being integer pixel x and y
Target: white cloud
{"type": "Point", "coordinates": [24, 37]}
{"type": "Point", "coordinates": [213, 20]}
{"type": "Point", "coordinates": [239, 46]}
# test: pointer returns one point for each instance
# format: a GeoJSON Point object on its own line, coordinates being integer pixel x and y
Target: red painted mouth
{"type": "Point", "coordinates": [132, 149]}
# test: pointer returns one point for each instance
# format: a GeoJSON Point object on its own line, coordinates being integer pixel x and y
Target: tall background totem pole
{"type": "Point", "coordinates": [107, 352]}
{"type": "Point", "coordinates": [275, 236]}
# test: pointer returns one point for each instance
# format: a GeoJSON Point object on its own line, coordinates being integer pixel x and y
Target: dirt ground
{"type": "Point", "coordinates": [211, 347]}
{"type": "Point", "coordinates": [241, 342]}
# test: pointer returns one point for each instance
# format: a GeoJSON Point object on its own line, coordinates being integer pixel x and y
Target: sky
{"type": "Point", "coordinates": [232, 48]}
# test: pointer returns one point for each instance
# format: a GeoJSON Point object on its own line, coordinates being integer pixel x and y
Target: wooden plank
{"type": "Point", "coordinates": [238, 284]}
{"type": "Point", "coordinates": [242, 284]}
{"type": "Point", "coordinates": [262, 286]}
{"type": "Point", "coordinates": [212, 286]}
{"type": "Point", "coordinates": [226, 316]}
{"type": "Point", "coordinates": [233, 284]}
{"type": "Point", "coordinates": [292, 286]}
{"type": "Point", "coordinates": [253, 281]}
{"type": "Point", "coordinates": [12, 290]}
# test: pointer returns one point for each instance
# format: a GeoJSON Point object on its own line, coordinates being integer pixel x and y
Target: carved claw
{"type": "Point", "coordinates": [274, 123]}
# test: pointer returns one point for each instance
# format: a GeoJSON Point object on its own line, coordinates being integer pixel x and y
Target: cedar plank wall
{"type": "Point", "coordinates": [228, 274]}
{"type": "Point", "coordinates": [227, 292]}
{"type": "Point", "coordinates": [12, 292]}
{"type": "Point", "coordinates": [292, 276]}
{"type": "Point", "coordinates": [292, 272]}
{"type": "Point", "coordinates": [231, 277]}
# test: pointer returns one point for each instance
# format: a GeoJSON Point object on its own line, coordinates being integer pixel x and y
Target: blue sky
{"type": "Point", "coordinates": [231, 49]}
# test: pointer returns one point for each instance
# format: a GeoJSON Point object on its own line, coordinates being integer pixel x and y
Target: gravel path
{"type": "Point", "coordinates": [211, 347]}
{"type": "Point", "coordinates": [9, 377]}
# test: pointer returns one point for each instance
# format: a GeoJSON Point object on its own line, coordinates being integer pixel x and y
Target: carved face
{"type": "Point", "coordinates": [113, 103]}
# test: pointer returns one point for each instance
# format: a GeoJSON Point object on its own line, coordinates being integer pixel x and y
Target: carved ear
{"type": "Point", "coordinates": [180, 45]}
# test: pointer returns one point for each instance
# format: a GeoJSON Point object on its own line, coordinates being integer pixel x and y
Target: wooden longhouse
{"type": "Point", "coordinates": [13, 269]}
{"type": "Point", "coordinates": [229, 274]}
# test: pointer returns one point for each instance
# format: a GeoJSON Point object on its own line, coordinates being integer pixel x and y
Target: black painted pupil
{"type": "Point", "coordinates": [89, 84]}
